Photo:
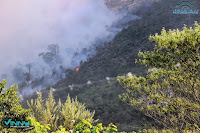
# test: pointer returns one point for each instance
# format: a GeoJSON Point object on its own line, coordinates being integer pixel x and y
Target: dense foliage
{"type": "Point", "coordinates": [170, 93]}
{"type": "Point", "coordinates": [69, 117]}
{"type": "Point", "coordinates": [103, 98]}
{"type": "Point", "coordinates": [68, 114]}
{"type": "Point", "coordinates": [86, 127]}
{"type": "Point", "coordinates": [9, 105]}
{"type": "Point", "coordinates": [117, 58]}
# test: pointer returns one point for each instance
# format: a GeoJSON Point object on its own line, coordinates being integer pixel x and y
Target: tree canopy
{"type": "Point", "coordinates": [170, 92]}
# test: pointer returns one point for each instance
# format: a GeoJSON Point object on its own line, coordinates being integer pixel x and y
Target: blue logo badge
{"type": "Point", "coordinates": [185, 7]}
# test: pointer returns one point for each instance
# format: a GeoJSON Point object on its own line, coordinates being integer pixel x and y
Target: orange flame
{"type": "Point", "coordinates": [77, 69]}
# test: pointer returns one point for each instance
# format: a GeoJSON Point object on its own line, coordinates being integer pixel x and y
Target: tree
{"type": "Point", "coordinates": [52, 56]}
{"type": "Point", "coordinates": [18, 74]}
{"type": "Point", "coordinates": [10, 106]}
{"type": "Point", "coordinates": [67, 115]}
{"type": "Point", "coordinates": [29, 67]}
{"type": "Point", "coordinates": [28, 77]}
{"type": "Point", "coordinates": [170, 92]}
{"type": "Point", "coordinates": [54, 48]}
{"type": "Point", "coordinates": [46, 115]}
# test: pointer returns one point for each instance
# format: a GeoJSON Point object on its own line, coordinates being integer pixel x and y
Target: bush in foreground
{"type": "Point", "coordinates": [68, 114]}
{"type": "Point", "coordinates": [10, 106]}
{"type": "Point", "coordinates": [43, 118]}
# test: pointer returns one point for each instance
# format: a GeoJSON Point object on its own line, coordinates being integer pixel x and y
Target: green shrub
{"type": "Point", "coordinates": [10, 106]}
{"type": "Point", "coordinates": [38, 128]}
{"type": "Point", "coordinates": [87, 127]}
{"type": "Point", "coordinates": [163, 131]}
{"type": "Point", "coordinates": [61, 130]}
{"type": "Point", "coordinates": [68, 114]}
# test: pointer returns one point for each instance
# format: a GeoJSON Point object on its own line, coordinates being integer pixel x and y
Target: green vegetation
{"type": "Point", "coordinates": [170, 86]}
{"type": "Point", "coordinates": [170, 92]}
{"type": "Point", "coordinates": [86, 127]}
{"type": "Point", "coordinates": [9, 104]}
{"type": "Point", "coordinates": [102, 99]}
{"type": "Point", "coordinates": [67, 115]}
{"type": "Point", "coordinates": [117, 58]}
{"type": "Point", "coordinates": [71, 117]}
{"type": "Point", "coordinates": [38, 128]}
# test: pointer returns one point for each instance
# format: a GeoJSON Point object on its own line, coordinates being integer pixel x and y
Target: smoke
{"type": "Point", "coordinates": [28, 27]}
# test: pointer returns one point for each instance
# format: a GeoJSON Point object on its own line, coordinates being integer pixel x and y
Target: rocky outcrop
{"type": "Point", "coordinates": [118, 5]}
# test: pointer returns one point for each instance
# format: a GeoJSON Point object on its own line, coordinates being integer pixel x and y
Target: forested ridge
{"type": "Point", "coordinates": [130, 111]}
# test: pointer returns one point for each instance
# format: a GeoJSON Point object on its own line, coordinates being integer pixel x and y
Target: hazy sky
{"type": "Point", "coordinates": [28, 26]}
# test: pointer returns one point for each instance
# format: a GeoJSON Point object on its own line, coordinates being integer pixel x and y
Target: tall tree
{"type": "Point", "coordinates": [170, 92]}
{"type": "Point", "coordinates": [52, 56]}
{"type": "Point", "coordinates": [54, 48]}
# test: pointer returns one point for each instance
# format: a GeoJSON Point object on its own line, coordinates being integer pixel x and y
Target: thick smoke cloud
{"type": "Point", "coordinates": [29, 26]}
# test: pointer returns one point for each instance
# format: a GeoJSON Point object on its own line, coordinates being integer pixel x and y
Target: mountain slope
{"type": "Point", "coordinates": [118, 5]}
{"type": "Point", "coordinates": [117, 58]}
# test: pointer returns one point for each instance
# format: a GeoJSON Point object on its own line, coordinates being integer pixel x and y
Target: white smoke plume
{"type": "Point", "coordinates": [29, 26]}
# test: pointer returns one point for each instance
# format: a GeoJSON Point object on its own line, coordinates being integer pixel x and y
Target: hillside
{"type": "Point", "coordinates": [117, 5]}
{"type": "Point", "coordinates": [117, 58]}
